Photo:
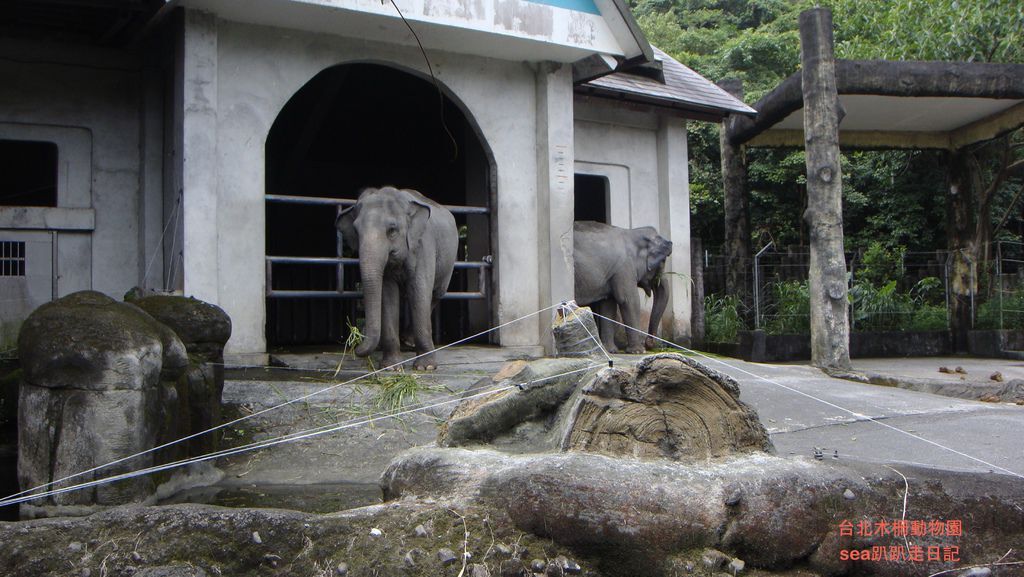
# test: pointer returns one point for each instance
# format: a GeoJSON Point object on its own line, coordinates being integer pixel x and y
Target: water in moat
{"type": "Point", "coordinates": [314, 498]}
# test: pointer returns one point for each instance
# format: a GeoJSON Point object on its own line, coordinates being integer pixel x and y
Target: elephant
{"type": "Point", "coordinates": [610, 263]}
{"type": "Point", "coordinates": [407, 246]}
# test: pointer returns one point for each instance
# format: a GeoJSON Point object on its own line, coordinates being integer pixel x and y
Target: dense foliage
{"type": "Point", "coordinates": [896, 197]}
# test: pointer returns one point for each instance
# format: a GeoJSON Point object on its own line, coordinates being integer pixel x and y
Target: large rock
{"type": "Point", "coordinates": [91, 393]}
{"type": "Point", "coordinates": [769, 511]}
{"type": "Point", "coordinates": [667, 407]}
{"type": "Point", "coordinates": [204, 329]}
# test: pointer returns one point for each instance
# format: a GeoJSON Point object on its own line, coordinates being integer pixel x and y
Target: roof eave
{"type": "Point", "coordinates": [687, 109]}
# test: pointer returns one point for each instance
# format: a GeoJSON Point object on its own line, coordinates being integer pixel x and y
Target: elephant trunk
{"type": "Point", "coordinates": [658, 308]}
{"type": "Point", "coordinates": [371, 267]}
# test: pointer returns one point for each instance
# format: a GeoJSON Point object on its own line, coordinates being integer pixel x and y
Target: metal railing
{"type": "Point", "coordinates": [481, 266]}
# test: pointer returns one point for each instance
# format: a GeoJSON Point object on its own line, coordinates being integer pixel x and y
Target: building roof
{"type": "Point", "coordinates": [898, 104]}
{"type": "Point", "coordinates": [668, 84]}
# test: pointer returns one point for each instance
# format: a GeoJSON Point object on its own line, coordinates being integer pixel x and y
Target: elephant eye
{"type": "Point", "coordinates": [392, 231]}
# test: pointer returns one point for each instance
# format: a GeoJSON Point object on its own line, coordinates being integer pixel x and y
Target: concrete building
{"type": "Point", "coordinates": [193, 145]}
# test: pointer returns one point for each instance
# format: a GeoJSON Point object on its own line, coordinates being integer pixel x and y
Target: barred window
{"type": "Point", "coordinates": [12, 258]}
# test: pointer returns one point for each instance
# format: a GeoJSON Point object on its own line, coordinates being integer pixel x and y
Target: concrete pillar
{"type": "Point", "coordinates": [554, 188]}
{"type": "Point", "coordinates": [151, 214]}
{"type": "Point", "coordinates": [674, 210]}
{"type": "Point", "coordinates": [199, 155]}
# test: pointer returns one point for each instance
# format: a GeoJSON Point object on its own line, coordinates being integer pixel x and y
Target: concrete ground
{"type": "Point", "coordinates": [802, 408]}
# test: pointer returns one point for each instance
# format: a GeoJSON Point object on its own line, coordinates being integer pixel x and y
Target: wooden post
{"type": "Point", "coordinates": [697, 296]}
{"type": "Point", "coordinates": [737, 206]}
{"type": "Point", "coordinates": [959, 204]}
{"type": "Point", "coordinates": [830, 323]}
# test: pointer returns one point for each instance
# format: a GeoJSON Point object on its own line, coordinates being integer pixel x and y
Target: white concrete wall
{"type": "Point", "coordinates": [89, 102]}
{"type": "Point", "coordinates": [644, 157]}
{"type": "Point", "coordinates": [257, 70]}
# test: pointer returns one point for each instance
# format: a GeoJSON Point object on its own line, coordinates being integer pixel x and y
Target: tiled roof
{"type": "Point", "coordinates": [683, 88]}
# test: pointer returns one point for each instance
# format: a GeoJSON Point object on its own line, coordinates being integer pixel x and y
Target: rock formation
{"type": "Point", "coordinates": [204, 329]}
{"type": "Point", "coordinates": [103, 380]}
{"type": "Point", "coordinates": [94, 375]}
{"type": "Point", "coordinates": [668, 407]}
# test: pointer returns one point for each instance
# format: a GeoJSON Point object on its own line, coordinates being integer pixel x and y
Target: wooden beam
{"type": "Point", "coordinates": [859, 139]}
{"type": "Point", "coordinates": [988, 128]}
{"type": "Point", "coordinates": [889, 78]}
{"type": "Point", "coordinates": [830, 323]}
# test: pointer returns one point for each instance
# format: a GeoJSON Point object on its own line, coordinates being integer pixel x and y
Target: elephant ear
{"type": "Point", "coordinates": [345, 223]}
{"type": "Point", "coordinates": [419, 214]}
{"type": "Point", "coordinates": [659, 249]}
{"type": "Point", "coordinates": [652, 250]}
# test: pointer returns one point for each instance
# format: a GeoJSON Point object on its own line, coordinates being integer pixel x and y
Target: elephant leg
{"type": "Point", "coordinates": [606, 308]}
{"type": "Point", "coordinates": [405, 334]}
{"type": "Point", "coordinates": [389, 330]}
{"type": "Point", "coordinates": [629, 305]}
{"type": "Point", "coordinates": [422, 305]}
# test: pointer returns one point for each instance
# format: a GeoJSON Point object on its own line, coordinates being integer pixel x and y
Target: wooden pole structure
{"type": "Point", "coordinates": [737, 206]}
{"type": "Point", "coordinates": [959, 208]}
{"type": "Point", "coordinates": [830, 322]}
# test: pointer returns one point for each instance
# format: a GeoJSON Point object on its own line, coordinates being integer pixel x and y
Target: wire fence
{"type": "Point", "coordinates": [1000, 294]}
{"type": "Point", "coordinates": [888, 291]}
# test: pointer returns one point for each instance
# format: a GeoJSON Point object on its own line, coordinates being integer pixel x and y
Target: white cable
{"type": "Point", "coordinates": [823, 401]}
{"type": "Point", "coordinates": [268, 409]}
{"type": "Point", "coordinates": [310, 433]}
{"type": "Point", "coordinates": [160, 243]}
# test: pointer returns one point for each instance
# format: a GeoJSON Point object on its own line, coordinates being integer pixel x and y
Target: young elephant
{"type": "Point", "coordinates": [610, 264]}
{"type": "Point", "coordinates": [407, 245]}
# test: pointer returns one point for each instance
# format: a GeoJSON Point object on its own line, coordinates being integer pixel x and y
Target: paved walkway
{"type": "Point", "coordinates": [799, 423]}
{"type": "Point", "coordinates": [801, 407]}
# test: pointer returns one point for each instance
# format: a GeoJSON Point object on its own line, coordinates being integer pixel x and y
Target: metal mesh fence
{"type": "Point", "coordinates": [999, 303]}
{"type": "Point", "coordinates": [889, 291]}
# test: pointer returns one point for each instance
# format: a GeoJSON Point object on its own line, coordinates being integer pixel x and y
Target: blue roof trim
{"type": "Point", "coordinates": [587, 6]}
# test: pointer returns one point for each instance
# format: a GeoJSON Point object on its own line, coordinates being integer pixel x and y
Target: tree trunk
{"type": "Point", "coordinates": [830, 324]}
{"type": "Point", "coordinates": [697, 295]}
{"type": "Point", "coordinates": [737, 207]}
{"type": "Point", "coordinates": [958, 232]}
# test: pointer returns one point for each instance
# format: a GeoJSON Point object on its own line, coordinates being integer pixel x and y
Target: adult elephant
{"type": "Point", "coordinates": [610, 263]}
{"type": "Point", "coordinates": [407, 245]}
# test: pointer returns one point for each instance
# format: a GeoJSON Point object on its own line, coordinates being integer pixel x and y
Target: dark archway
{"type": "Point", "coordinates": [350, 127]}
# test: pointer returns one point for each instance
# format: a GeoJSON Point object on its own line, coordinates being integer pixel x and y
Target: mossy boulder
{"type": "Point", "coordinates": [195, 322]}
{"type": "Point", "coordinates": [97, 383]}
{"type": "Point", "coordinates": [88, 340]}
{"type": "Point", "coordinates": [204, 329]}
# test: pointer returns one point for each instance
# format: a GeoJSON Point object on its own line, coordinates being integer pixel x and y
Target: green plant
{"type": "Point", "coordinates": [880, 308]}
{"type": "Point", "coordinates": [722, 319]}
{"type": "Point", "coordinates": [790, 311]}
{"type": "Point", "coordinates": [1004, 311]}
{"type": "Point", "coordinates": [929, 318]}
{"type": "Point", "coordinates": [929, 290]}
{"type": "Point", "coordinates": [879, 264]}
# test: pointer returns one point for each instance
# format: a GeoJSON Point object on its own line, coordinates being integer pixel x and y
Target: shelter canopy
{"type": "Point", "coordinates": [898, 104]}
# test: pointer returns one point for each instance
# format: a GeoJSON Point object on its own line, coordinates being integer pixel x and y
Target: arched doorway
{"type": "Point", "coordinates": [358, 125]}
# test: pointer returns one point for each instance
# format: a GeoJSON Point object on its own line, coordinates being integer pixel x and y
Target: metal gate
{"type": "Point", "coordinates": [340, 262]}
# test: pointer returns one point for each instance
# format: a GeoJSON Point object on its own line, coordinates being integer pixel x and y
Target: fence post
{"type": "Point", "coordinates": [974, 287]}
{"type": "Point", "coordinates": [999, 279]}
{"type": "Point", "coordinates": [853, 267]}
{"type": "Point", "coordinates": [757, 285]}
{"type": "Point", "coordinates": [945, 292]}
